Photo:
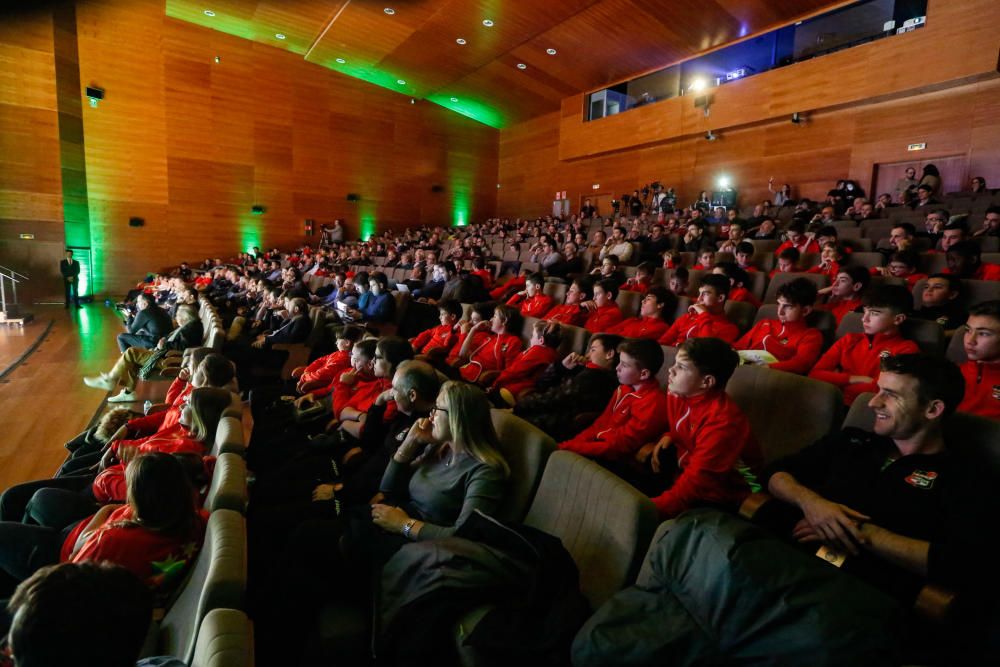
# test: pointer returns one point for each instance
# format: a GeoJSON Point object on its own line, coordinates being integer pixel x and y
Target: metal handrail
{"type": "Point", "coordinates": [13, 272]}
{"type": "Point", "coordinates": [13, 286]}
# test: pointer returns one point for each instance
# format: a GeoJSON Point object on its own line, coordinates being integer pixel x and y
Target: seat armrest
{"type": "Point", "coordinates": [935, 603]}
{"type": "Point", "coordinates": [753, 503]}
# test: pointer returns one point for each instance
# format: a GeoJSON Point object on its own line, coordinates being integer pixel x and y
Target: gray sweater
{"type": "Point", "coordinates": [441, 495]}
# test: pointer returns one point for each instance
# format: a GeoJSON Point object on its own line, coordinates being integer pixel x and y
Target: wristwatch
{"type": "Point", "coordinates": [407, 527]}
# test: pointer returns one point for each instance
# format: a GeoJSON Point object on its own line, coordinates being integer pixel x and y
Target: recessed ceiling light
{"type": "Point", "coordinates": [551, 52]}
{"type": "Point", "coordinates": [209, 12]}
{"type": "Point", "coordinates": [488, 23]}
{"type": "Point", "coordinates": [389, 10]}
{"type": "Point", "coordinates": [401, 82]}
{"type": "Point", "coordinates": [522, 66]}
{"type": "Point", "coordinates": [454, 99]}
{"type": "Point", "coordinates": [460, 41]}
{"type": "Point", "coordinates": [279, 35]}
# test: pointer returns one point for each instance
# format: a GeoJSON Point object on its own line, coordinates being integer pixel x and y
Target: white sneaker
{"type": "Point", "coordinates": [124, 396]}
{"type": "Point", "coordinates": [101, 381]}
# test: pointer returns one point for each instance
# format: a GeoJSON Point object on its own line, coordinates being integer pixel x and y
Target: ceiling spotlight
{"type": "Point", "coordinates": [209, 12]}
{"type": "Point", "coordinates": [454, 99]}
{"type": "Point", "coordinates": [551, 52]}
{"type": "Point", "coordinates": [723, 183]}
{"type": "Point", "coordinates": [389, 11]}
{"type": "Point", "coordinates": [522, 66]}
{"type": "Point", "coordinates": [279, 35]}
{"type": "Point", "coordinates": [488, 23]}
{"type": "Point", "coordinates": [460, 41]}
{"type": "Point", "coordinates": [341, 61]}
{"type": "Point", "coordinates": [401, 82]}
{"type": "Point", "coordinates": [710, 136]}
{"type": "Point", "coordinates": [698, 85]}
{"type": "Point", "coordinates": [218, 59]}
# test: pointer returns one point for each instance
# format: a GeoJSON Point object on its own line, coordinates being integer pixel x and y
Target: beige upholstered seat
{"type": "Point", "coordinates": [771, 296]}
{"type": "Point", "coordinates": [229, 437]}
{"type": "Point", "coordinates": [741, 314]}
{"type": "Point", "coordinates": [217, 580]}
{"type": "Point", "coordinates": [225, 639]}
{"type": "Point", "coordinates": [526, 448]}
{"type": "Point", "coordinates": [228, 490]}
{"type": "Point", "coordinates": [786, 411]}
{"type": "Point", "coordinates": [929, 336]}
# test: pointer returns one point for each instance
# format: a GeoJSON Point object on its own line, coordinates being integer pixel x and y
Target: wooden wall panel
{"type": "Point", "coordinates": [30, 178]}
{"type": "Point", "coordinates": [831, 145]}
{"type": "Point", "coordinates": [957, 45]}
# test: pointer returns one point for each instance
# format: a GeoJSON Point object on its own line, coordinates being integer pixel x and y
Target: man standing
{"type": "Point", "coordinates": [70, 270]}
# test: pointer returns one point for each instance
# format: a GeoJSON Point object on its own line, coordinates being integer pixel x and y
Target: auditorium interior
{"type": "Point", "coordinates": [590, 332]}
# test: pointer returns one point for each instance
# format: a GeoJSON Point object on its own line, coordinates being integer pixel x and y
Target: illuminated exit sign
{"type": "Point", "coordinates": [917, 147]}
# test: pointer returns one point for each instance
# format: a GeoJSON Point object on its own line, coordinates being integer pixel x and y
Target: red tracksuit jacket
{"type": "Point", "coordinates": [605, 317]}
{"type": "Point", "coordinates": [745, 295]}
{"type": "Point", "coordinates": [794, 345]}
{"type": "Point", "coordinates": [535, 306]}
{"type": "Point", "coordinates": [702, 325]}
{"type": "Point", "coordinates": [525, 369]}
{"type": "Point", "coordinates": [640, 327]}
{"type": "Point", "coordinates": [327, 367]}
{"type": "Point", "coordinates": [809, 245]}
{"type": "Point", "coordinates": [443, 335]}
{"type": "Point", "coordinates": [716, 453]}
{"type": "Point", "coordinates": [859, 354]}
{"type": "Point", "coordinates": [986, 271]}
{"type": "Point", "coordinates": [636, 285]}
{"type": "Point", "coordinates": [632, 418]}
{"type": "Point", "coordinates": [982, 389]}
{"type": "Point", "coordinates": [478, 338]}
{"type": "Point", "coordinates": [149, 424]}
{"type": "Point", "coordinates": [567, 314]}
{"type": "Point", "coordinates": [496, 353]}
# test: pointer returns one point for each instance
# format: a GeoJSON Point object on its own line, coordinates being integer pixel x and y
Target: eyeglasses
{"type": "Point", "coordinates": [437, 409]}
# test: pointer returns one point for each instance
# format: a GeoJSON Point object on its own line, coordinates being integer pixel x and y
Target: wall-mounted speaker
{"type": "Point", "coordinates": [351, 196]}
{"type": "Point", "coordinates": [136, 222]}
{"type": "Point", "coordinates": [95, 93]}
{"type": "Point", "coordinates": [257, 209]}
{"type": "Point", "coordinates": [437, 188]}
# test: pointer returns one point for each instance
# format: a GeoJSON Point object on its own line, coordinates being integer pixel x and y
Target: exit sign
{"type": "Point", "coordinates": [27, 237]}
{"type": "Point", "coordinates": [917, 147]}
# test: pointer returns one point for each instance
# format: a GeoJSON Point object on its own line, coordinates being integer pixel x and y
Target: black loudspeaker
{"type": "Point", "coordinates": [353, 197]}
{"type": "Point", "coordinates": [257, 209]}
{"type": "Point", "coordinates": [437, 188]}
{"type": "Point", "coordinates": [95, 93]}
{"type": "Point", "coordinates": [136, 222]}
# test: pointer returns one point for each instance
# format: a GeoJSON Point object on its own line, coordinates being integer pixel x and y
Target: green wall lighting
{"type": "Point", "coordinates": [484, 113]}
{"type": "Point", "coordinates": [249, 235]}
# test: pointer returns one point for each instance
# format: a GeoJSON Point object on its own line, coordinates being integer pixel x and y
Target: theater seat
{"type": "Point", "coordinates": [228, 490]}
{"type": "Point", "coordinates": [741, 314]}
{"type": "Point", "coordinates": [629, 302]}
{"type": "Point", "coordinates": [809, 409]}
{"type": "Point", "coordinates": [575, 339]}
{"type": "Point", "coordinates": [526, 448]}
{"type": "Point", "coordinates": [603, 522]}
{"type": "Point", "coordinates": [669, 355]}
{"type": "Point", "coordinates": [955, 351]}
{"type": "Point", "coordinates": [225, 639]}
{"type": "Point", "coordinates": [228, 437]}
{"type": "Point", "coordinates": [217, 580]}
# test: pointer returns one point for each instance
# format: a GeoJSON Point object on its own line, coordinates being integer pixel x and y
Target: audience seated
{"type": "Point", "coordinates": [480, 359]}
{"type": "Point", "coordinates": [571, 311]}
{"type": "Point", "coordinates": [939, 302]}
{"type": "Point", "coordinates": [521, 374]}
{"type": "Point", "coordinates": [793, 345]}
{"type": "Point", "coordinates": [845, 294]}
{"type": "Point", "coordinates": [147, 327]}
{"type": "Point", "coordinates": [706, 318]}
{"type": "Point", "coordinates": [981, 369]}
{"type": "Point", "coordinates": [603, 311]}
{"type": "Point", "coordinates": [532, 302]}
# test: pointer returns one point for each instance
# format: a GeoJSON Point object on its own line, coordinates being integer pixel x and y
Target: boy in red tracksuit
{"type": "Point", "coordinates": [797, 238]}
{"type": "Point", "coordinates": [788, 262]}
{"type": "Point", "coordinates": [520, 376]}
{"type": "Point", "coordinates": [360, 379]}
{"type": "Point", "coordinates": [789, 339]}
{"type": "Point", "coordinates": [852, 364]}
{"type": "Point", "coordinates": [495, 353]}
{"type": "Point", "coordinates": [982, 369]}
{"type": "Point", "coordinates": [709, 455]}
{"type": "Point", "coordinates": [444, 336]}
{"type": "Point", "coordinates": [738, 281]}
{"type": "Point", "coordinates": [571, 312]}
{"type": "Point", "coordinates": [604, 312]}
{"type": "Point", "coordinates": [481, 312]}
{"type": "Point", "coordinates": [845, 294]}
{"type": "Point", "coordinates": [531, 301]}
{"type": "Point", "coordinates": [642, 280]}
{"type": "Point", "coordinates": [637, 411]}
{"type": "Point", "coordinates": [830, 260]}
{"type": "Point", "coordinates": [320, 374]}
{"type": "Point", "coordinates": [650, 323]}
{"type": "Point", "coordinates": [706, 318]}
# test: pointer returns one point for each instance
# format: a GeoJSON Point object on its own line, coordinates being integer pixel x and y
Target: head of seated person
{"type": "Point", "coordinates": [602, 352]}
{"type": "Point", "coordinates": [378, 283]}
{"type": "Point", "coordinates": [203, 410]}
{"type": "Point", "coordinates": [214, 370]}
{"type": "Point", "coordinates": [186, 314]}
{"type": "Point", "coordinates": [885, 309]}
{"type": "Point", "coordinates": [60, 611]}
{"type": "Point", "coordinates": [702, 365]}
{"type": "Point", "coordinates": [656, 303]}
{"type": "Point", "coordinates": [982, 333]}
{"type": "Point", "coordinates": [954, 231]}
{"type": "Point", "coordinates": [796, 300]}
{"type": "Point", "coordinates": [415, 386]}
{"type": "Point", "coordinates": [940, 290]}
{"type": "Point", "coordinates": [390, 352]}
{"type": "Point", "coordinates": [737, 276]}
{"type": "Point", "coordinates": [639, 361]}
{"type": "Point", "coordinates": [712, 294]}
{"type": "Point", "coordinates": [917, 392]}
{"type": "Point", "coordinates": [505, 319]}
{"type": "Point", "coordinates": [964, 259]}
{"type": "Point", "coordinates": [363, 356]}
{"type": "Point", "coordinates": [851, 282]}
{"type": "Point", "coordinates": [788, 260]}
{"type": "Point", "coordinates": [348, 336]}
{"type": "Point", "coordinates": [679, 281]}
{"type": "Point", "coordinates": [462, 419]}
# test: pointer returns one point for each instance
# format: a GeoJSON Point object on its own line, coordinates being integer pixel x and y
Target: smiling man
{"type": "Point", "coordinates": [900, 505]}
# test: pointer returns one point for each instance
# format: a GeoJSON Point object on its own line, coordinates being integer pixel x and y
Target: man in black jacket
{"type": "Point", "coordinates": [150, 324]}
{"type": "Point", "coordinates": [70, 270]}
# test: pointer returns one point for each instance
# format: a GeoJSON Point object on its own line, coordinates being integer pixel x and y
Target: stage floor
{"type": "Point", "coordinates": [43, 401]}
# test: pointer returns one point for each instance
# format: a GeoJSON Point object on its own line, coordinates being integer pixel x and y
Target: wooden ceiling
{"type": "Point", "coordinates": [414, 50]}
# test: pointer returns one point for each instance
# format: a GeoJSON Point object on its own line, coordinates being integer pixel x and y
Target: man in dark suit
{"type": "Point", "coordinates": [70, 270]}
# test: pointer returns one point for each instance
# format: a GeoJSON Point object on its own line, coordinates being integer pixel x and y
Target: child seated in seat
{"type": "Point", "coordinates": [531, 301]}
{"type": "Point", "coordinates": [795, 345]}
{"type": "Point", "coordinates": [982, 368]}
{"type": "Point", "coordinates": [830, 260]}
{"type": "Point", "coordinates": [788, 262]}
{"type": "Point", "coordinates": [636, 412]}
{"type": "Point", "coordinates": [852, 364]}
{"type": "Point", "coordinates": [738, 282]}
{"type": "Point", "coordinates": [319, 375]}
{"type": "Point", "coordinates": [480, 358]}
{"type": "Point", "coordinates": [902, 264]}
{"type": "Point", "coordinates": [679, 282]}
{"type": "Point", "coordinates": [443, 336]}
{"type": "Point", "coordinates": [744, 254]}
{"type": "Point", "coordinates": [706, 259]}
{"type": "Point", "coordinates": [708, 455]}
{"type": "Point", "coordinates": [939, 301]}
{"type": "Point", "coordinates": [643, 279]}
{"type": "Point", "coordinates": [603, 311]}
{"type": "Point", "coordinates": [651, 322]}
{"type": "Point", "coordinates": [844, 295]}
{"type": "Point", "coordinates": [706, 317]}
{"type": "Point", "coordinates": [520, 376]}
{"type": "Point", "coordinates": [571, 311]}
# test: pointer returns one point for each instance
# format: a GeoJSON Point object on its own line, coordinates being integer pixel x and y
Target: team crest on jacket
{"type": "Point", "coordinates": [921, 479]}
{"type": "Point", "coordinates": [884, 354]}
{"type": "Point", "coordinates": [996, 392]}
